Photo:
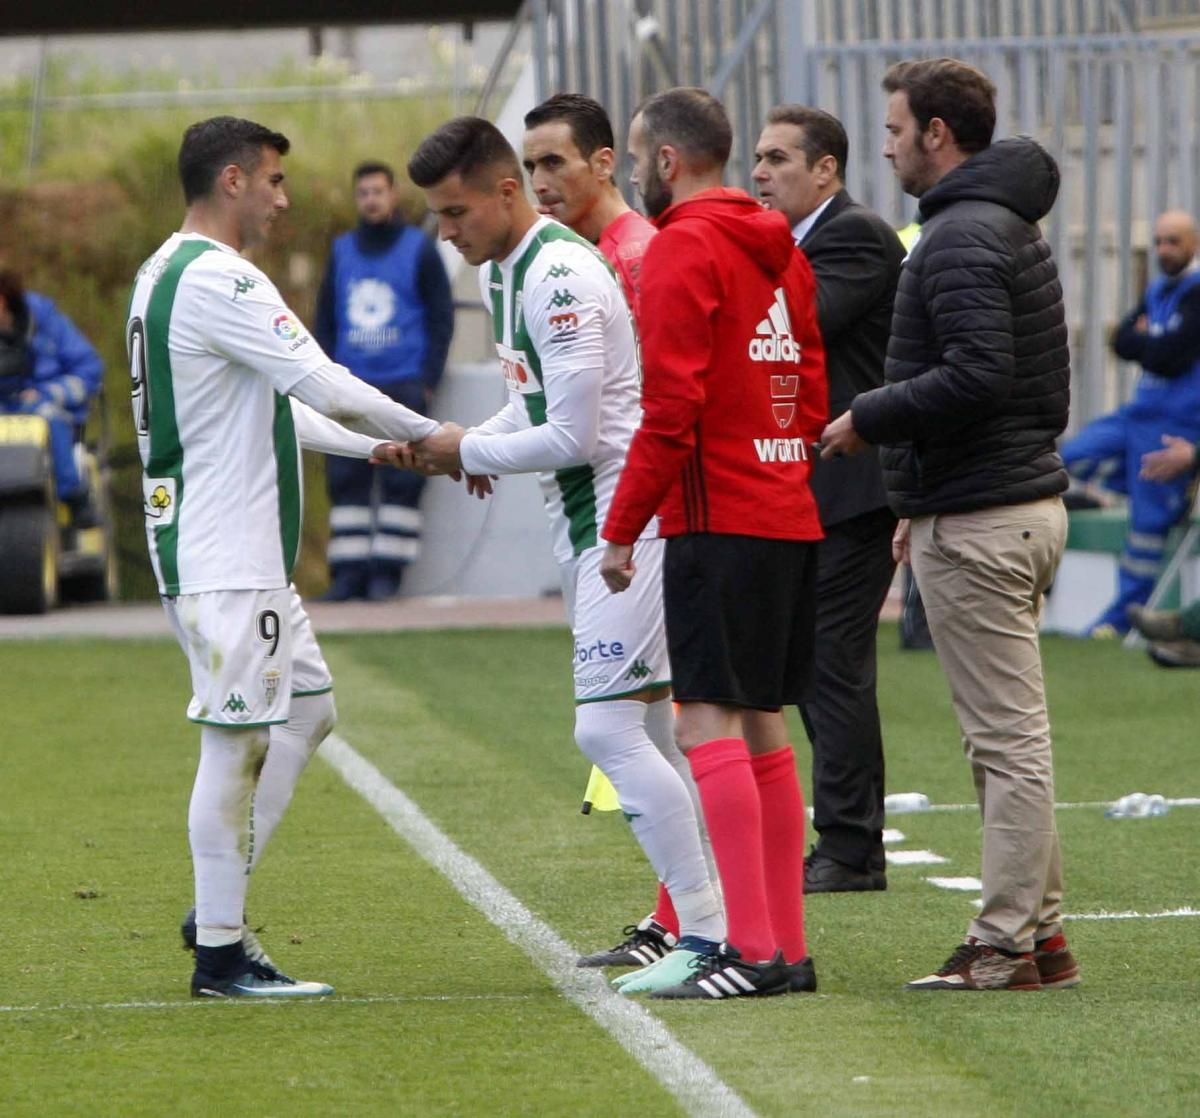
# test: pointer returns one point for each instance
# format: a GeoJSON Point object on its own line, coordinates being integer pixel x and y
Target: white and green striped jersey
{"type": "Point", "coordinates": [569, 353]}
{"type": "Point", "coordinates": [213, 351]}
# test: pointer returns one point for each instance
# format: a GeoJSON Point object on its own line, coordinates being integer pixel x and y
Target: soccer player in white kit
{"type": "Point", "coordinates": [227, 386]}
{"type": "Point", "coordinates": [568, 351]}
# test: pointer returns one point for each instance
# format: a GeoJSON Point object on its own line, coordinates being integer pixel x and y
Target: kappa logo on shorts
{"type": "Point", "coordinates": [639, 670]}
{"type": "Point", "coordinates": [235, 704]}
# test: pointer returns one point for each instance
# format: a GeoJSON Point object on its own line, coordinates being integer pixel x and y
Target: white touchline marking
{"type": "Point", "coordinates": [915, 858]}
{"type": "Point", "coordinates": [964, 884]}
{"type": "Point", "coordinates": [1131, 915]}
{"type": "Point", "coordinates": [333, 999]}
{"type": "Point", "coordinates": [1184, 801]}
{"type": "Point", "coordinates": [697, 1087]}
{"type": "Point", "coordinates": [890, 834]}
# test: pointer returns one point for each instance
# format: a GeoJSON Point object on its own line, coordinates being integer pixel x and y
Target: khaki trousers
{"type": "Point", "coordinates": [982, 576]}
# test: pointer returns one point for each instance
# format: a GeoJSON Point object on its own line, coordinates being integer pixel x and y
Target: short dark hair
{"type": "Point", "coordinates": [209, 145]}
{"type": "Point", "coordinates": [12, 291]}
{"type": "Point", "coordinates": [959, 94]}
{"type": "Point", "coordinates": [468, 145]}
{"type": "Point", "coordinates": [689, 119]}
{"type": "Point", "coordinates": [374, 167]}
{"type": "Point", "coordinates": [589, 123]}
{"type": "Point", "coordinates": [823, 133]}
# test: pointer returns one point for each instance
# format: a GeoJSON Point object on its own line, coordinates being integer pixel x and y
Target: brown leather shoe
{"type": "Point", "coordinates": [1056, 966]}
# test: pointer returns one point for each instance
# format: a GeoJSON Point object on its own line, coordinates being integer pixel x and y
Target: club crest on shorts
{"type": "Point", "coordinates": [270, 681]}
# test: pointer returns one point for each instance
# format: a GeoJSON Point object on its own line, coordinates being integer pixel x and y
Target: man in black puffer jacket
{"type": "Point", "coordinates": [977, 392]}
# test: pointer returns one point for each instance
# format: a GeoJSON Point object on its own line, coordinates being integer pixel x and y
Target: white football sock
{"type": "Point", "coordinates": [311, 719]}
{"type": "Point", "coordinates": [612, 735]}
{"type": "Point", "coordinates": [219, 828]}
{"type": "Point", "coordinates": [660, 725]}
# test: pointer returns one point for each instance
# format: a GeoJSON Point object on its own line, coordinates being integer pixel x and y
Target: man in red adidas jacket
{"type": "Point", "coordinates": [734, 393]}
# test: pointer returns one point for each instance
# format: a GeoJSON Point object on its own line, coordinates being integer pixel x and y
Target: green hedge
{"type": "Point", "coordinates": [107, 195]}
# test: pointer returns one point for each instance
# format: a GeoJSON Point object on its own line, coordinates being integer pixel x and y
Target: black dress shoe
{"type": "Point", "coordinates": [823, 874]}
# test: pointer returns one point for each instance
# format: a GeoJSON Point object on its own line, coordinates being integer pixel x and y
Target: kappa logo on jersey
{"type": "Point", "coordinates": [565, 326]}
{"type": "Point", "coordinates": [639, 670]}
{"type": "Point", "coordinates": [559, 271]}
{"type": "Point", "coordinates": [242, 286]}
{"type": "Point", "coordinates": [561, 298]}
{"type": "Point", "coordinates": [775, 341]}
{"type": "Point", "coordinates": [235, 704]}
{"type": "Point", "coordinates": [285, 327]}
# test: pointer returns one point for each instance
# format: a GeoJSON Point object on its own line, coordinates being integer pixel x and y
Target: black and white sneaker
{"type": "Point", "coordinates": [802, 977]}
{"type": "Point", "coordinates": [646, 943]}
{"type": "Point", "coordinates": [226, 972]}
{"type": "Point", "coordinates": [727, 975]}
{"type": "Point", "coordinates": [251, 944]}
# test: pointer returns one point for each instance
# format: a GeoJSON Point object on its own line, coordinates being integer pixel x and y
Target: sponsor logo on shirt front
{"type": "Point", "coordinates": [773, 339]}
{"type": "Point", "coordinates": [781, 450]}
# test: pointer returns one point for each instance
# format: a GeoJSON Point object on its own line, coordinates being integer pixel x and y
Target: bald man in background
{"type": "Point", "coordinates": [1162, 334]}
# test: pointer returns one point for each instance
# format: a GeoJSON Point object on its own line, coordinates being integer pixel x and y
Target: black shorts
{"type": "Point", "coordinates": [740, 614]}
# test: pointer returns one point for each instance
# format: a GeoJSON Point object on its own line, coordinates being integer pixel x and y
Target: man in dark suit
{"type": "Point", "coordinates": [799, 170]}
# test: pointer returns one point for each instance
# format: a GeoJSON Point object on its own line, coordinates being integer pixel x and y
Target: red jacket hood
{"type": "Point", "coordinates": [740, 218]}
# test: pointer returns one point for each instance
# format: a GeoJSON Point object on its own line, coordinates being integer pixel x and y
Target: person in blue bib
{"type": "Point", "coordinates": [385, 312]}
{"type": "Point", "coordinates": [48, 368]}
{"type": "Point", "coordinates": [1162, 334]}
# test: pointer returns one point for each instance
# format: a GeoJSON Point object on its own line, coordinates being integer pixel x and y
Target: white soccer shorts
{"type": "Point", "coordinates": [250, 652]}
{"type": "Point", "coordinates": [620, 639]}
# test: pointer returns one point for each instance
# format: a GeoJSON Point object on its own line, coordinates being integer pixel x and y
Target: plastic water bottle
{"type": "Point", "coordinates": [902, 803]}
{"type": "Point", "coordinates": [1138, 805]}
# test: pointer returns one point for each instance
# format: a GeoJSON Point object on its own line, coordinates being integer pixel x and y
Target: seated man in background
{"type": "Point", "coordinates": [1174, 635]}
{"type": "Point", "coordinates": [48, 368]}
{"type": "Point", "coordinates": [1162, 334]}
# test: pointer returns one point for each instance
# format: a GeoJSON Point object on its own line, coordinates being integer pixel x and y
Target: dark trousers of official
{"type": "Point", "coordinates": [841, 714]}
{"type": "Point", "coordinates": [374, 515]}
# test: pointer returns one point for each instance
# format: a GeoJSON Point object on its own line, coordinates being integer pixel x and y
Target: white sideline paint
{"type": "Point", "coordinates": [693, 1083]}
{"type": "Point", "coordinates": [963, 884]}
{"type": "Point", "coordinates": [890, 834]}
{"type": "Point", "coordinates": [1131, 915]}
{"type": "Point", "coordinates": [915, 858]}
{"type": "Point", "coordinates": [1185, 801]}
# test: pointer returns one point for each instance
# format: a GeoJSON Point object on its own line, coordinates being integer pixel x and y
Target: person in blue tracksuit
{"type": "Point", "coordinates": [385, 312]}
{"type": "Point", "coordinates": [1162, 334]}
{"type": "Point", "coordinates": [48, 368]}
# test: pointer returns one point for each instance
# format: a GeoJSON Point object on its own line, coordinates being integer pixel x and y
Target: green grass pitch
{"type": "Point", "coordinates": [436, 1013]}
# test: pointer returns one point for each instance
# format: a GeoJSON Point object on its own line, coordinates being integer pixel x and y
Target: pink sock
{"type": "Point", "coordinates": [783, 847]}
{"type": "Point", "coordinates": [664, 911]}
{"type": "Point", "coordinates": [729, 795]}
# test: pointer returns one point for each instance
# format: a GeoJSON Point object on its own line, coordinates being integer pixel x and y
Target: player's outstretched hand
{"type": "Point", "coordinates": [438, 454]}
{"type": "Point", "coordinates": [616, 566]}
{"type": "Point", "coordinates": [399, 455]}
{"type": "Point", "coordinates": [479, 485]}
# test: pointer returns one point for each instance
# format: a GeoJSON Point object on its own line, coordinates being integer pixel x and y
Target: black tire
{"type": "Point", "coordinates": [29, 557]}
